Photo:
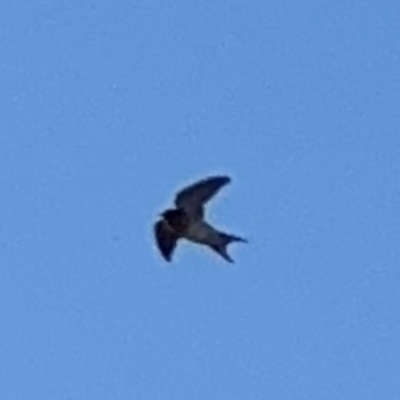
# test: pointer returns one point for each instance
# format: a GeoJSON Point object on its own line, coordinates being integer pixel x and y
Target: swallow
{"type": "Point", "coordinates": [186, 220]}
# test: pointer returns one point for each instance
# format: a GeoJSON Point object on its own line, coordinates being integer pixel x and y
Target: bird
{"type": "Point", "coordinates": [187, 220]}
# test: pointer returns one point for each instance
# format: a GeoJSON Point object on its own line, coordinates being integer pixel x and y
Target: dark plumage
{"type": "Point", "coordinates": [187, 220]}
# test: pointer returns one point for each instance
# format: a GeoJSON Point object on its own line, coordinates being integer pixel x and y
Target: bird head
{"type": "Point", "coordinates": [170, 213]}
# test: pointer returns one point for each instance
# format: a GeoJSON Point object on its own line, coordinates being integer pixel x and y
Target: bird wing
{"type": "Point", "coordinates": [192, 198]}
{"type": "Point", "coordinates": [166, 239]}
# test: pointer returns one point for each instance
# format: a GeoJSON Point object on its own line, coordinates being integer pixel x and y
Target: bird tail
{"type": "Point", "coordinates": [226, 239]}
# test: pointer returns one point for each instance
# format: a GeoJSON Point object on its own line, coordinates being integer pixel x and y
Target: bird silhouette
{"type": "Point", "coordinates": [186, 221]}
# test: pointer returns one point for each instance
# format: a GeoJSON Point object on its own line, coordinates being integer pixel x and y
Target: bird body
{"type": "Point", "coordinates": [187, 220]}
{"type": "Point", "coordinates": [203, 233]}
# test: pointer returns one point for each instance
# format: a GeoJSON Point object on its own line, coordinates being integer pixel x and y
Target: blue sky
{"type": "Point", "coordinates": [107, 108]}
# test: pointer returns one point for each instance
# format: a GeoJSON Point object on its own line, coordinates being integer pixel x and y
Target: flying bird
{"type": "Point", "coordinates": [186, 220]}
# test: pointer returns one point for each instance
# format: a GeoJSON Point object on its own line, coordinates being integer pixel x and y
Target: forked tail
{"type": "Point", "coordinates": [226, 239]}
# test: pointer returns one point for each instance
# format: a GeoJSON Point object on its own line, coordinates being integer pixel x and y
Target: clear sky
{"type": "Point", "coordinates": [108, 107]}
